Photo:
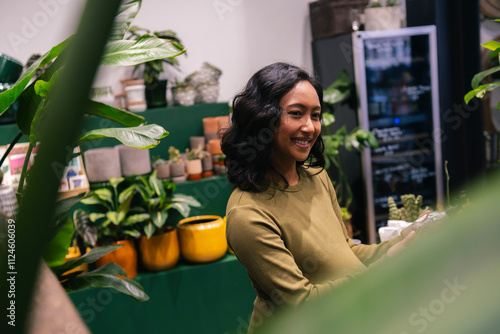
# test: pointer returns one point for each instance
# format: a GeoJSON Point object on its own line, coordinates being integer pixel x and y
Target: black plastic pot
{"type": "Point", "coordinates": [156, 94]}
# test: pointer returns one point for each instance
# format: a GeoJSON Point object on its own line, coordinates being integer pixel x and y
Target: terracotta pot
{"type": "Point", "coordinates": [125, 257]}
{"type": "Point", "coordinates": [210, 136]}
{"type": "Point", "coordinates": [160, 252]}
{"type": "Point", "coordinates": [223, 122]}
{"type": "Point", "coordinates": [214, 147]}
{"type": "Point", "coordinates": [134, 161]}
{"type": "Point", "coordinates": [210, 125]}
{"type": "Point", "coordinates": [202, 238]}
{"type": "Point", "coordinates": [194, 169]}
{"type": "Point", "coordinates": [101, 164]}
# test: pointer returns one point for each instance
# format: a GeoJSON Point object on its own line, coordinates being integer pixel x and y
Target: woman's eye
{"type": "Point", "coordinates": [295, 113]}
{"type": "Point", "coordinates": [316, 115]}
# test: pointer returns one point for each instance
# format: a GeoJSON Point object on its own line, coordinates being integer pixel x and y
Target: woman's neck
{"type": "Point", "coordinates": [276, 173]}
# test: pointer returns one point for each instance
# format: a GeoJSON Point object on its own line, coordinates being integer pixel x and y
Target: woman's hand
{"type": "Point", "coordinates": [397, 248]}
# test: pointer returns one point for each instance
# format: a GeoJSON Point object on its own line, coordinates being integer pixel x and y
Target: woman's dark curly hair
{"type": "Point", "coordinates": [256, 114]}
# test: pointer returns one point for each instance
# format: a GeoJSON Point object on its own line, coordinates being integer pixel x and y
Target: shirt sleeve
{"type": "Point", "coordinates": [257, 242]}
{"type": "Point", "coordinates": [367, 254]}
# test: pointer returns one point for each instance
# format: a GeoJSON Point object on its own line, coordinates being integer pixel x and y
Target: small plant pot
{"type": "Point", "coordinates": [214, 147]}
{"type": "Point", "coordinates": [160, 252]}
{"type": "Point", "coordinates": [207, 164]}
{"type": "Point", "coordinates": [184, 96]}
{"type": "Point", "coordinates": [210, 136]}
{"type": "Point", "coordinates": [207, 92]}
{"type": "Point", "coordinates": [202, 238]}
{"type": "Point", "coordinates": [101, 164]}
{"type": "Point", "coordinates": [156, 94]}
{"type": "Point", "coordinates": [136, 99]}
{"type": "Point", "coordinates": [178, 172]}
{"type": "Point", "coordinates": [125, 257]}
{"type": "Point", "coordinates": [196, 143]}
{"type": "Point", "coordinates": [194, 169]}
{"type": "Point", "coordinates": [134, 161]}
{"type": "Point", "coordinates": [210, 125]}
{"type": "Point", "coordinates": [162, 171]}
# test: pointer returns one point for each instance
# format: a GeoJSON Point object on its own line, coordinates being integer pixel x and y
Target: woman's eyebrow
{"type": "Point", "coordinates": [300, 105]}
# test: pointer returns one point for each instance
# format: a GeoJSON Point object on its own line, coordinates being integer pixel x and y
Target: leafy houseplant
{"type": "Point", "coordinates": [410, 211]}
{"type": "Point", "coordinates": [341, 139]}
{"type": "Point", "coordinates": [159, 200]}
{"type": "Point", "coordinates": [156, 87]}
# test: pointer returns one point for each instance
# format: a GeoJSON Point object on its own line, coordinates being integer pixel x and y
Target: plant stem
{"type": "Point", "coordinates": [11, 146]}
{"type": "Point", "coordinates": [24, 171]}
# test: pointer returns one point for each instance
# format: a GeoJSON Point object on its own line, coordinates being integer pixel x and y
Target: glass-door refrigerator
{"type": "Point", "coordinates": [397, 84]}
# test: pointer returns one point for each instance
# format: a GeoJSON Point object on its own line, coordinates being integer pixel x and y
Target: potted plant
{"type": "Point", "coordinates": [162, 167]}
{"type": "Point", "coordinates": [177, 166]}
{"type": "Point", "coordinates": [202, 238]}
{"type": "Point", "coordinates": [155, 86]}
{"type": "Point", "coordinates": [336, 143]}
{"type": "Point", "coordinates": [379, 17]}
{"type": "Point", "coordinates": [194, 166]}
{"type": "Point", "coordinates": [159, 245]}
{"type": "Point", "coordinates": [184, 94]}
{"type": "Point", "coordinates": [112, 221]}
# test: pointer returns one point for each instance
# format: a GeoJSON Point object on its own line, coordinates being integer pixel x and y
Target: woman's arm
{"type": "Point", "coordinates": [257, 242]}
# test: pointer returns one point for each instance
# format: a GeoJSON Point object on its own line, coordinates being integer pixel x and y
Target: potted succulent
{"type": "Point", "coordinates": [380, 17]}
{"type": "Point", "coordinates": [159, 245]}
{"type": "Point", "coordinates": [177, 166]}
{"type": "Point", "coordinates": [162, 167]}
{"type": "Point", "coordinates": [155, 86]}
{"type": "Point", "coordinates": [194, 166]}
{"type": "Point", "coordinates": [112, 221]}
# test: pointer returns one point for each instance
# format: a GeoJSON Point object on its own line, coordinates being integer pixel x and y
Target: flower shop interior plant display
{"type": "Point", "coordinates": [202, 238]}
{"type": "Point", "coordinates": [159, 245]}
{"type": "Point", "coordinates": [155, 84]}
{"type": "Point", "coordinates": [184, 94]}
{"type": "Point", "coordinates": [34, 98]}
{"type": "Point", "coordinates": [206, 83]}
{"type": "Point", "coordinates": [340, 141]}
{"type": "Point", "coordinates": [177, 165]}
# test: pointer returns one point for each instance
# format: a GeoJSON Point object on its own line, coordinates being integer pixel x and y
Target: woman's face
{"type": "Point", "coordinates": [299, 126]}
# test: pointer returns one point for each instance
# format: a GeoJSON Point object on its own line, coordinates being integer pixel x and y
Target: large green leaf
{"type": "Point", "coordinates": [476, 80]}
{"type": "Point", "coordinates": [10, 95]}
{"type": "Point", "coordinates": [138, 137]}
{"type": "Point", "coordinates": [127, 193]}
{"type": "Point", "coordinates": [119, 116]}
{"type": "Point", "coordinates": [189, 200]}
{"type": "Point", "coordinates": [55, 251]}
{"type": "Point", "coordinates": [144, 49]}
{"type": "Point", "coordinates": [134, 219]}
{"type": "Point", "coordinates": [90, 257]}
{"type": "Point", "coordinates": [97, 280]}
{"type": "Point", "coordinates": [480, 91]}
{"type": "Point", "coordinates": [492, 45]}
{"type": "Point", "coordinates": [126, 13]}
{"type": "Point", "coordinates": [159, 218]}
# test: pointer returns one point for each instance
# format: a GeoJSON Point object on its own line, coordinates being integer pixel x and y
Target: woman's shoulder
{"type": "Point", "coordinates": [312, 171]}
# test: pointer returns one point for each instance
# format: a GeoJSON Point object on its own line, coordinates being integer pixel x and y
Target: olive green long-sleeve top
{"type": "Point", "coordinates": [293, 242]}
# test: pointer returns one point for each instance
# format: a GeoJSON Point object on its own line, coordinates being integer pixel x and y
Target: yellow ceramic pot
{"type": "Point", "coordinates": [125, 257]}
{"type": "Point", "coordinates": [202, 238]}
{"type": "Point", "coordinates": [160, 252]}
{"type": "Point", "coordinates": [73, 253]}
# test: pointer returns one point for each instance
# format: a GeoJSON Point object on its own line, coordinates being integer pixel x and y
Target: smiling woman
{"type": "Point", "coordinates": [284, 223]}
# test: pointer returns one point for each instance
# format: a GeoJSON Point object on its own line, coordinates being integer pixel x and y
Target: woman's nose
{"type": "Point", "coordinates": [308, 125]}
